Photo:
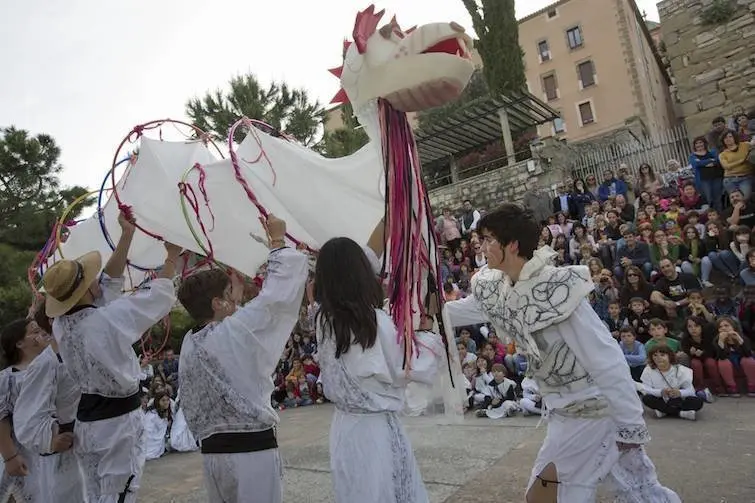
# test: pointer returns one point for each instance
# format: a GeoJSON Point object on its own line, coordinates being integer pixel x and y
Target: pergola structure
{"type": "Point", "coordinates": [491, 118]}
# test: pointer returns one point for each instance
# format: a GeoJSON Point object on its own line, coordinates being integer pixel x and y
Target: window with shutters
{"type": "Point", "coordinates": [574, 37]}
{"type": "Point", "coordinates": [543, 51]}
{"type": "Point", "coordinates": [552, 13]}
{"type": "Point", "coordinates": [586, 71]}
{"type": "Point", "coordinates": [586, 113]}
{"type": "Point", "coordinates": [550, 87]}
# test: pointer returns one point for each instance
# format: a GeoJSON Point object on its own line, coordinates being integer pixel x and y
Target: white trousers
{"type": "Point", "coordinates": [112, 457]}
{"type": "Point", "coordinates": [62, 479]}
{"type": "Point", "coordinates": [585, 454]}
{"type": "Point", "coordinates": [247, 477]}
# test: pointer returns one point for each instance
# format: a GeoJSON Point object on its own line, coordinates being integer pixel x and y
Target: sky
{"type": "Point", "coordinates": [87, 71]}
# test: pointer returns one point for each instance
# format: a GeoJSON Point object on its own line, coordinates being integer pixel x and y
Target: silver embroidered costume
{"type": "Point", "coordinates": [49, 398]}
{"type": "Point", "coordinates": [588, 394]}
{"type": "Point", "coordinates": [371, 458]}
{"type": "Point", "coordinates": [225, 373]}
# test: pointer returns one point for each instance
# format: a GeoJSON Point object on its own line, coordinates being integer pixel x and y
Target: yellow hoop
{"type": "Point", "coordinates": [64, 216]}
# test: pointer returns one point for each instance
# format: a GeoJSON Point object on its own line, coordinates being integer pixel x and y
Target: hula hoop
{"type": "Point", "coordinates": [62, 220]}
{"type": "Point", "coordinates": [253, 124]}
{"type": "Point", "coordinates": [101, 219]}
{"type": "Point", "coordinates": [134, 135]}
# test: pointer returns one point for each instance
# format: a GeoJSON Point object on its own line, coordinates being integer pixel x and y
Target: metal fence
{"type": "Point", "coordinates": [655, 150]}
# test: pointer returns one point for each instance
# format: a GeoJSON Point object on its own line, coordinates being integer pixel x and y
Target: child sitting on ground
{"type": "Point", "coordinates": [634, 352]}
{"type": "Point", "coordinates": [638, 318]}
{"type": "Point", "coordinates": [531, 402]}
{"type": "Point", "coordinates": [502, 393]}
{"type": "Point", "coordinates": [614, 321]}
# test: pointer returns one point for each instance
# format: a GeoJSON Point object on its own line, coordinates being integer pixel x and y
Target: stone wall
{"type": "Point", "coordinates": [488, 190]}
{"type": "Point", "coordinates": [713, 66]}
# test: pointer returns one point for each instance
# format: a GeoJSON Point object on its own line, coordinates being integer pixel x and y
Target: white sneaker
{"type": "Point", "coordinates": [709, 396]}
{"type": "Point", "coordinates": [689, 415]}
{"type": "Point", "coordinates": [707, 284]}
{"type": "Point", "coordinates": [659, 414]}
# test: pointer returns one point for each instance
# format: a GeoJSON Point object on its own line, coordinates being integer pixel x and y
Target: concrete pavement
{"type": "Point", "coordinates": [481, 460]}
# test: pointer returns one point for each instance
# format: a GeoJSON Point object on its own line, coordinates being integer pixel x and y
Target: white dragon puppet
{"type": "Point", "coordinates": [386, 72]}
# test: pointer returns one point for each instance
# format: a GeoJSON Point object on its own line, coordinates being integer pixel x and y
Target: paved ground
{"type": "Point", "coordinates": [486, 461]}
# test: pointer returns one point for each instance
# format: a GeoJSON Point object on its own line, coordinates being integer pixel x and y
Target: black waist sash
{"type": "Point", "coordinates": [234, 443]}
{"type": "Point", "coordinates": [98, 407]}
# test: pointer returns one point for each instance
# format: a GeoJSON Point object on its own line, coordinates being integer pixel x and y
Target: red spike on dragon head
{"type": "Point", "coordinates": [420, 68]}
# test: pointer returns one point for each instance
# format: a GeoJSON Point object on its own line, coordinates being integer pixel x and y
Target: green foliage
{"type": "Point", "coordinates": [31, 199]}
{"type": "Point", "coordinates": [345, 140]}
{"type": "Point", "coordinates": [497, 30]}
{"type": "Point", "coordinates": [180, 324]}
{"type": "Point", "coordinates": [718, 12]}
{"type": "Point", "coordinates": [285, 109]}
{"type": "Point", "coordinates": [15, 294]}
{"type": "Point", "coordinates": [476, 89]}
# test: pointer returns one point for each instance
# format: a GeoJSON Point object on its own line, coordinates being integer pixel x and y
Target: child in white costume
{"type": "Point", "coordinates": [21, 341]}
{"type": "Point", "coordinates": [95, 327]}
{"type": "Point", "coordinates": [531, 401]}
{"type": "Point", "coordinates": [45, 415]}
{"type": "Point", "coordinates": [363, 374]}
{"type": "Point", "coordinates": [226, 367]}
{"type": "Point", "coordinates": [596, 429]}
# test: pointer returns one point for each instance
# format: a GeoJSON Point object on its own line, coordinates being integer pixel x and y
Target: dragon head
{"type": "Point", "coordinates": [417, 69]}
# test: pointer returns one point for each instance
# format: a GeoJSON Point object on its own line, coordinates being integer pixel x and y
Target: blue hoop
{"type": "Point", "coordinates": [101, 218]}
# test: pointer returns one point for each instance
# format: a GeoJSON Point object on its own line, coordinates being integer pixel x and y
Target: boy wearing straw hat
{"type": "Point", "coordinates": [225, 368]}
{"type": "Point", "coordinates": [95, 328]}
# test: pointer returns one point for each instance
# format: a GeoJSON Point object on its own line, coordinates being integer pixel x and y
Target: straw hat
{"type": "Point", "coordinates": [66, 282]}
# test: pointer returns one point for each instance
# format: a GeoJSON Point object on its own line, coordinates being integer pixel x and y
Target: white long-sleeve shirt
{"type": "Point", "coordinates": [48, 398]}
{"type": "Point", "coordinates": [96, 343]}
{"type": "Point", "coordinates": [225, 368]}
{"type": "Point", "coordinates": [373, 379]}
{"type": "Point", "coordinates": [654, 381]}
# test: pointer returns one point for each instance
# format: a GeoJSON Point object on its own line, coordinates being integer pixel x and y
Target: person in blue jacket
{"type": "Point", "coordinates": [611, 187]}
{"type": "Point", "coordinates": [709, 175]}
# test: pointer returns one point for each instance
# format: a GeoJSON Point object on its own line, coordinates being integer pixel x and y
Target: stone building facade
{"type": "Point", "coordinates": [713, 65]}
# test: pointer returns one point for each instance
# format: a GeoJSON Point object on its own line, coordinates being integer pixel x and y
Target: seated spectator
{"type": "Point", "coordinates": [741, 211]}
{"type": "Point", "coordinates": [697, 344]}
{"type": "Point", "coordinates": [635, 285]}
{"type": "Point", "coordinates": [734, 352]}
{"type": "Point", "coordinates": [638, 319]}
{"type": "Point", "coordinates": [304, 392]}
{"type": "Point", "coordinates": [634, 352]}
{"type": "Point", "coordinates": [697, 255]}
{"type": "Point", "coordinates": [667, 387]}
{"type": "Point", "coordinates": [503, 401]}
{"type": "Point", "coordinates": [308, 345]}
{"type": "Point", "coordinates": [633, 253]}
{"type": "Point", "coordinates": [722, 303]}
{"type": "Point", "coordinates": [168, 369]}
{"type": "Point", "coordinates": [718, 250]}
{"type": "Point", "coordinates": [693, 219]}
{"type": "Point", "coordinates": [465, 337]}
{"type": "Point", "coordinates": [690, 198]}
{"type": "Point", "coordinates": [672, 287]}
{"type": "Point", "coordinates": [740, 245]}
{"type": "Point", "coordinates": [482, 394]}
{"type": "Point", "coordinates": [614, 321]}
{"type": "Point", "coordinates": [468, 370]}
{"type": "Point", "coordinates": [696, 307]}
{"type": "Point", "coordinates": [311, 369]}
{"type": "Point", "coordinates": [464, 355]}
{"type": "Point", "coordinates": [531, 402]}
{"type": "Point", "coordinates": [297, 370]}
{"type": "Point", "coordinates": [662, 249]}
{"type": "Point", "coordinates": [659, 336]}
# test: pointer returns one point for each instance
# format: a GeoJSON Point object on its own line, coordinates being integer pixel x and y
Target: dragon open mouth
{"type": "Point", "coordinates": [456, 46]}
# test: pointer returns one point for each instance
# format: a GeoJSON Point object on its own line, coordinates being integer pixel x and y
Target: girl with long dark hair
{"type": "Point", "coordinates": [364, 374]}
{"type": "Point", "coordinates": [20, 342]}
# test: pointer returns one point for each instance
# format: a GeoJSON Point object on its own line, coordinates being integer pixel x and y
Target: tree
{"type": "Point", "coordinates": [285, 109]}
{"type": "Point", "coordinates": [497, 31]}
{"type": "Point", "coordinates": [345, 140]}
{"type": "Point", "coordinates": [31, 198]}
